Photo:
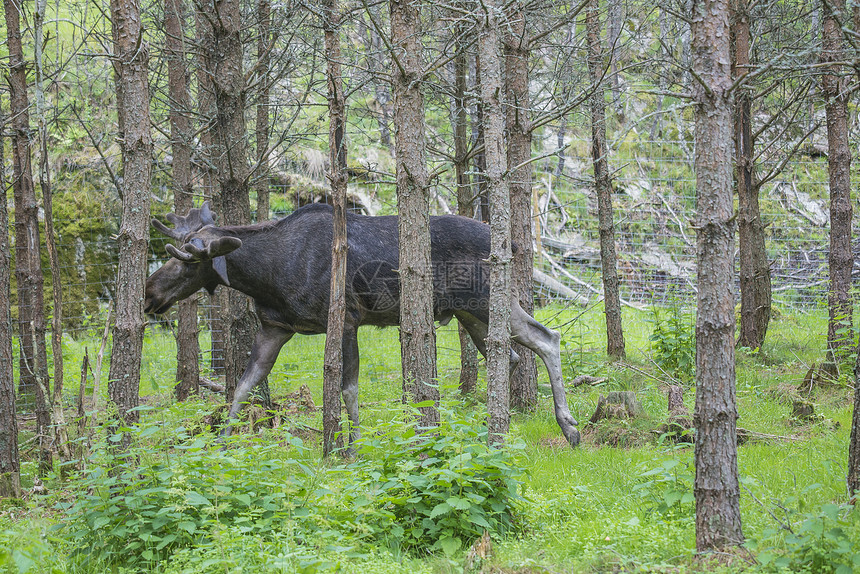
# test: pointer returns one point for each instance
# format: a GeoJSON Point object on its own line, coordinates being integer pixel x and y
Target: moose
{"type": "Point", "coordinates": [285, 267]}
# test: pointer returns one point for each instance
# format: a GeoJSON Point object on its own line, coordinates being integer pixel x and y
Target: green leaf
{"type": "Point", "coordinates": [196, 499]}
{"type": "Point", "coordinates": [449, 545]}
{"type": "Point", "coordinates": [188, 526]}
{"type": "Point", "coordinates": [458, 503]}
{"type": "Point", "coordinates": [440, 509]}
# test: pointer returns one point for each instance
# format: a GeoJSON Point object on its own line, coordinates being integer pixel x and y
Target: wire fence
{"type": "Point", "coordinates": [654, 203]}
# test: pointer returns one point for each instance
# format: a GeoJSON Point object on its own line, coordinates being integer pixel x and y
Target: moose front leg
{"type": "Point", "coordinates": [349, 385]}
{"type": "Point", "coordinates": [264, 353]}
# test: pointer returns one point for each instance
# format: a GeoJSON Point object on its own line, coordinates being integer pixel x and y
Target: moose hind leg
{"type": "Point", "coordinates": [546, 343]}
{"type": "Point", "coordinates": [349, 385]}
{"type": "Point", "coordinates": [264, 353]}
{"type": "Point", "coordinates": [477, 330]}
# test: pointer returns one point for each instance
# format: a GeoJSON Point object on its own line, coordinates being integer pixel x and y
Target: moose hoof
{"type": "Point", "coordinates": [572, 437]}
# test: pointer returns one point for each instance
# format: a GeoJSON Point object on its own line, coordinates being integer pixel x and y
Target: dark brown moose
{"type": "Point", "coordinates": [285, 267]}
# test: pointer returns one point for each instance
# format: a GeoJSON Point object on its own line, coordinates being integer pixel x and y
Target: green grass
{"type": "Point", "coordinates": [594, 509]}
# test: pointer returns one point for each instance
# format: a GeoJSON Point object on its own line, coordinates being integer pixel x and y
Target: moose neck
{"type": "Point", "coordinates": [249, 266]}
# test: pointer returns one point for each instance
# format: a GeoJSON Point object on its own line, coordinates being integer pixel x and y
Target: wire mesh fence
{"type": "Point", "coordinates": [654, 203]}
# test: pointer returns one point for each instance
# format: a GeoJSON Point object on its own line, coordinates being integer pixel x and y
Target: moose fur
{"type": "Point", "coordinates": [285, 267]}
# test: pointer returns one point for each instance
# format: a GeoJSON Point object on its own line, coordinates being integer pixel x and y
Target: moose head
{"type": "Point", "coordinates": [198, 263]}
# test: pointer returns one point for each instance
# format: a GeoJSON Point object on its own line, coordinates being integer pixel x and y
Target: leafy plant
{"type": "Point", "coordinates": [668, 488]}
{"type": "Point", "coordinates": [147, 511]}
{"type": "Point", "coordinates": [434, 491]}
{"type": "Point", "coordinates": [824, 541]}
{"type": "Point", "coordinates": [674, 343]}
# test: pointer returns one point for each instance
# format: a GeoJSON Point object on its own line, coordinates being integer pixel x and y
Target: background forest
{"type": "Point", "coordinates": [243, 98]}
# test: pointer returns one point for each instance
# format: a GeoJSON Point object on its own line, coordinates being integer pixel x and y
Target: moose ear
{"type": "Point", "coordinates": [219, 264]}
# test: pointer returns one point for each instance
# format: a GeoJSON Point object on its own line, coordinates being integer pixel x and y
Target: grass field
{"type": "Point", "coordinates": [621, 502]}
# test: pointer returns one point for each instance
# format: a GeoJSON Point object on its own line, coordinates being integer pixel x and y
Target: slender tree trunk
{"type": "Point", "coordinates": [206, 111]}
{"type": "Point", "coordinates": [131, 57]}
{"type": "Point", "coordinates": [499, 333]}
{"type": "Point", "coordinates": [28, 264]}
{"type": "Point", "coordinates": [614, 21]}
{"type": "Point", "coordinates": [465, 207]}
{"type": "Point", "coordinates": [603, 186]}
{"type": "Point", "coordinates": [479, 158]}
{"type": "Point", "coordinates": [10, 468]}
{"type": "Point", "coordinates": [519, 129]}
{"type": "Point", "coordinates": [239, 322]}
{"type": "Point", "coordinates": [333, 366]}
{"type": "Point", "coordinates": [717, 493]}
{"type": "Point", "coordinates": [187, 346]}
{"type": "Point", "coordinates": [841, 258]}
{"type": "Point", "coordinates": [261, 130]}
{"type": "Point", "coordinates": [417, 333]}
{"type": "Point", "coordinates": [58, 420]}
{"type": "Point", "coordinates": [754, 267]}
{"type": "Point", "coordinates": [854, 443]}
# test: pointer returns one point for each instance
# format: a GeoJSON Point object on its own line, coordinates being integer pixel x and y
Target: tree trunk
{"type": "Point", "coordinates": [187, 346]}
{"type": "Point", "coordinates": [206, 111]}
{"type": "Point", "coordinates": [603, 186]}
{"type": "Point", "coordinates": [131, 56]}
{"type": "Point", "coordinates": [614, 24]}
{"type": "Point", "coordinates": [479, 158]}
{"type": "Point", "coordinates": [854, 443]}
{"type": "Point", "coordinates": [465, 207]}
{"type": "Point", "coordinates": [519, 129]}
{"type": "Point", "coordinates": [841, 258]}
{"type": "Point", "coordinates": [754, 267]}
{"type": "Point", "coordinates": [499, 333]}
{"type": "Point", "coordinates": [261, 130]}
{"type": "Point", "coordinates": [10, 469]}
{"type": "Point", "coordinates": [239, 324]}
{"type": "Point", "coordinates": [28, 264]}
{"type": "Point", "coordinates": [58, 420]}
{"type": "Point", "coordinates": [417, 334]}
{"type": "Point", "coordinates": [333, 365]}
{"type": "Point", "coordinates": [718, 521]}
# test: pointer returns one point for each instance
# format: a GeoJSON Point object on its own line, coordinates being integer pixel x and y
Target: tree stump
{"type": "Point", "coordinates": [802, 410]}
{"type": "Point", "coordinates": [616, 405]}
{"type": "Point", "coordinates": [679, 422]}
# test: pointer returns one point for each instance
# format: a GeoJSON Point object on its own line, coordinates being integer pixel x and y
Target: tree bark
{"type": "Point", "coordinates": [499, 332]}
{"type": "Point", "coordinates": [10, 468]}
{"type": "Point", "coordinates": [603, 187]}
{"type": "Point", "coordinates": [417, 333]}
{"type": "Point", "coordinates": [465, 207]}
{"type": "Point", "coordinates": [261, 130]}
{"type": "Point", "coordinates": [187, 346]}
{"type": "Point", "coordinates": [206, 126]}
{"type": "Point", "coordinates": [519, 129]}
{"type": "Point", "coordinates": [28, 265]}
{"type": "Point", "coordinates": [841, 258]}
{"type": "Point", "coordinates": [853, 478]}
{"type": "Point", "coordinates": [130, 60]}
{"type": "Point", "coordinates": [615, 22]}
{"type": "Point", "coordinates": [333, 365]}
{"type": "Point", "coordinates": [58, 420]}
{"type": "Point", "coordinates": [239, 324]}
{"type": "Point", "coordinates": [754, 267]}
{"type": "Point", "coordinates": [717, 493]}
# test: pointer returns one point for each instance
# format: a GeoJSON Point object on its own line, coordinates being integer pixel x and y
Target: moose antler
{"type": "Point", "coordinates": [182, 226]}
{"type": "Point", "coordinates": [197, 250]}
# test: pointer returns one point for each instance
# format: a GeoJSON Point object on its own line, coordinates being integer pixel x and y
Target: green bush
{"type": "Point", "coordinates": [824, 541]}
{"type": "Point", "coordinates": [138, 514]}
{"type": "Point", "coordinates": [674, 343]}
{"type": "Point", "coordinates": [434, 491]}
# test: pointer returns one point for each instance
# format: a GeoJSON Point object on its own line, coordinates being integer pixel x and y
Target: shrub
{"type": "Point", "coordinates": [434, 491]}
{"type": "Point", "coordinates": [141, 513]}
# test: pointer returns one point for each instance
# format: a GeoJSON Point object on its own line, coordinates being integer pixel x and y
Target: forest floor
{"type": "Point", "coordinates": [622, 501]}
